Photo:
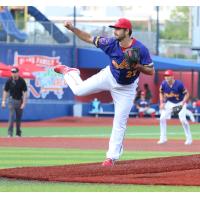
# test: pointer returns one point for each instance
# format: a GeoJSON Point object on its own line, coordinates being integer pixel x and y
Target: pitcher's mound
{"type": "Point", "coordinates": [177, 170]}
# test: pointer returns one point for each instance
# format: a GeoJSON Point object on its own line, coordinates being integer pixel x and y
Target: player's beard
{"type": "Point", "coordinates": [120, 38]}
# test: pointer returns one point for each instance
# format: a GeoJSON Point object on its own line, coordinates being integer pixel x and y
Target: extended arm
{"type": "Point", "coordinates": [5, 94]}
{"type": "Point", "coordinates": [161, 100]}
{"type": "Point", "coordinates": [186, 97]}
{"type": "Point", "coordinates": [137, 106]}
{"type": "Point", "coordinates": [24, 99]}
{"type": "Point", "coordinates": [81, 34]}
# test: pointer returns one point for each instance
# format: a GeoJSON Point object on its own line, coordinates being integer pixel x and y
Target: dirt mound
{"type": "Point", "coordinates": [177, 170]}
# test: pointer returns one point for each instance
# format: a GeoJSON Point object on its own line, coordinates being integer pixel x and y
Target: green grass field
{"type": "Point", "coordinates": [174, 132]}
{"type": "Point", "coordinates": [19, 157]}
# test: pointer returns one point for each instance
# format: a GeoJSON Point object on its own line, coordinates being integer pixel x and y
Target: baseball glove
{"type": "Point", "coordinates": [176, 109]}
{"type": "Point", "coordinates": [132, 56]}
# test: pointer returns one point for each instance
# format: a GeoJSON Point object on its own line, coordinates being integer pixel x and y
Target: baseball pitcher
{"type": "Point", "coordinates": [173, 98]}
{"type": "Point", "coordinates": [128, 58]}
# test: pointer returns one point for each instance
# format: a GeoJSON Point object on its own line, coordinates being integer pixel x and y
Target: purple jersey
{"type": "Point", "coordinates": [174, 94]}
{"type": "Point", "coordinates": [122, 73]}
{"type": "Point", "coordinates": [143, 103]}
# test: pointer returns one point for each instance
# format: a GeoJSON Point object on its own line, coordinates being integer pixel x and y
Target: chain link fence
{"type": "Point", "coordinates": [146, 33]}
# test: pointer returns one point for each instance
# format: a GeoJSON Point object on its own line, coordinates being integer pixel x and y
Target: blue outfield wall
{"type": "Point", "coordinates": [92, 58]}
{"type": "Point", "coordinates": [41, 110]}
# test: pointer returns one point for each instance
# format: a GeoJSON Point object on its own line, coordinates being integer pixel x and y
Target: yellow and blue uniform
{"type": "Point", "coordinates": [122, 73]}
{"type": "Point", "coordinates": [174, 94]}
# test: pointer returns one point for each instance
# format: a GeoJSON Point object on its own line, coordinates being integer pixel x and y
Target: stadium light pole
{"type": "Point", "coordinates": [74, 41]}
{"type": "Point", "coordinates": [157, 30]}
{"type": "Point", "coordinates": [198, 61]}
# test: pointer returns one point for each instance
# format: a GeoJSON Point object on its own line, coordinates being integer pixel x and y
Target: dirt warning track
{"type": "Point", "coordinates": [99, 143]}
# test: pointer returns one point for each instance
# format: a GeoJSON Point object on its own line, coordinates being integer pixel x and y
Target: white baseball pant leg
{"type": "Point", "coordinates": [123, 97]}
{"type": "Point", "coordinates": [164, 115]}
{"type": "Point", "coordinates": [185, 124]}
{"type": "Point", "coordinates": [96, 83]}
{"type": "Point", "coordinates": [150, 111]}
{"type": "Point", "coordinates": [190, 114]}
{"type": "Point", "coordinates": [142, 110]}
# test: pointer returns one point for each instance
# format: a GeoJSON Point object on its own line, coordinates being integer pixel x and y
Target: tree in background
{"type": "Point", "coordinates": [178, 27]}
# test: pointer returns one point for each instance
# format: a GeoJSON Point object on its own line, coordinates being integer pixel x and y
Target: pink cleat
{"type": "Point", "coordinates": [108, 162]}
{"type": "Point", "coordinates": [63, 69]}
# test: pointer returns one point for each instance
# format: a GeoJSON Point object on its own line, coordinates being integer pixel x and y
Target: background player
{"type": "Point", "coordinates": [173, 95]}
{"type": "Point", "coordinates": [143, 106]}
{"type": "Point", "coordinates": [120, 77]}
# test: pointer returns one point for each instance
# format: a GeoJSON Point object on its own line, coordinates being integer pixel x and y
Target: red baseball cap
{"type": "Point", "coordinates": [122, 23]}
{"type": "Point", "coordinates": [169, 73]}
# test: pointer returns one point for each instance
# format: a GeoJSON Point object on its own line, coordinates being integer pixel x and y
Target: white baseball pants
{"type": "Point", "coordinates": [147, 110]}
{"type": "Point", "coordinates": [166, 114]}
{"type": "Point", "coordinates": [123, 96]}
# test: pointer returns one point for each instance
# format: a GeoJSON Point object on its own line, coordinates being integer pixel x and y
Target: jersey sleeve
{"type": "Point", "coordinates": [182, 89]}
{"type": "Point", "coordinates": [138, 102]}
{"type": "Point", "coordinates": [103, 43]}
{"type": "Point", "coordinates": [145, 58]}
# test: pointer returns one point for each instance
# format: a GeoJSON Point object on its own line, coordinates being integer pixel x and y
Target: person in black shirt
{"type": "Point", "coordinates": [138, 95]}
{"type": "Point", "coordinates": [16, 89]}
{"type": "Point", "coordinates": [148, 95]}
